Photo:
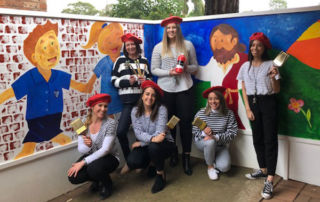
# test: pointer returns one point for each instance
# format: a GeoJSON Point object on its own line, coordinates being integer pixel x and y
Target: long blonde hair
{"type": "Point", "coordinates": [180, 45]}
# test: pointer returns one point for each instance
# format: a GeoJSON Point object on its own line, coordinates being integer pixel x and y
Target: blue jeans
{"type": "Point", "coordinates": [215, 155]}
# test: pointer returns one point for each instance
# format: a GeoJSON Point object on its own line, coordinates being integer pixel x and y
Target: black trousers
{"type": "Point", "coordinates": [181, 105]}
{"type": "Point", "coordinates": [123, 128]}
{"type": "Point", "coordinates": [265, 131]}
{"type": "Point", "coordinates": [140, 157]}
{"type": "Point", "coordinates": [97, 171]}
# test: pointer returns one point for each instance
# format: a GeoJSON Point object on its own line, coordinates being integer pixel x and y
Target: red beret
{"type": "Point", "coordinates": [95, 99]}
{"type": "Point", "coordinates": [171, 19]}
{"type": "Point", "coordinates": [130, 37]}
{"type": "Point", "coordinates": [206, 93]}
{"type": "Point", "coordinates": [149, 83]}
{"type": "Point", "coordinates": [262, 38]}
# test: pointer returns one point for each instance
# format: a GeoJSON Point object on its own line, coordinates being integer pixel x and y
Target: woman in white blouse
{"type": "Point", "coordinates": [97, 145]}
{"type": "Point", "coordinates": [260, 84]}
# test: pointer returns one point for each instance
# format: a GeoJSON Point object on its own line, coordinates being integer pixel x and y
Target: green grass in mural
{"type": "Point", "coordinates": [301, 82]}
{"type": "Point", "coordinates": [200, 101]}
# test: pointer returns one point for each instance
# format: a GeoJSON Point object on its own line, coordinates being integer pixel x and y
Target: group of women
{"type": "Point", "coordinates": [147, 106]}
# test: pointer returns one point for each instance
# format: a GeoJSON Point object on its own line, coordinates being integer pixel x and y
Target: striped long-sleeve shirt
{"type": "Point", "coordinates": [145, 129]}
{"type": "Point", "coordinates": [223, 126]}
{"type": "Point", "coordinates": [121, 75]}
{"type": "Point", "coordinates": [103, 143]}
{"type": "Point", "coordinates": [161, 65]}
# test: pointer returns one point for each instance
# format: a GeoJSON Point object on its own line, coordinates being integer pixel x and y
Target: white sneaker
{"type": "Point", "coordinates": [212, 173]}
{"type": "Point", "coordinates": [267, 190]}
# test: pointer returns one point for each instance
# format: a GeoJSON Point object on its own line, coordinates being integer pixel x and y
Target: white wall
{"type": "Point", "coordinates": [298, 158]}
{"type": "Point", "coordinates": [39, 179]}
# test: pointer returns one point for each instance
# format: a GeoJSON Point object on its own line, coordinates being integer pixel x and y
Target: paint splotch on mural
{"type": "Point", "coordinates": [67, 65]}
{"type": "Point", "coordinates": [300, 74]}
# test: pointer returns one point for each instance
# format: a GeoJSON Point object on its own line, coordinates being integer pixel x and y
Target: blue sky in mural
{"type": "Point", "coordinates": [282, 30]}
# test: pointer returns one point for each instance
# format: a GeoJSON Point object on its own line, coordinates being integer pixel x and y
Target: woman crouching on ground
{"type": "Point", "coordinates": [220, 131]}
{"type": "Point", "coordinates": [154, 142]}
{"type": "Point", "coordinates": [97, 145]}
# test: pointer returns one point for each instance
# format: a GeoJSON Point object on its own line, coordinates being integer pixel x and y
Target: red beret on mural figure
{"type": "Point", "coordinates": [98, 98]}
{"type": "Point", "coordinates": [130, 37]}
{"type": "Point", "coordinates": [262, 38]}
{"type": "Point", "coordinates": [206, 93]}
{"type": "Point", "coordinates": [171, 19]}
{"type": "Point", "coordinates": [149, 83]}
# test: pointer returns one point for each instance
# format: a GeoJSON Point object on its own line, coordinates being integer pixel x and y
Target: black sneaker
{"type": "Point", "coordinates": [159, 184]}
{"type": "Point", "coordinates": [152, 172]}
{"type": "Point", "coordinates": [174, 159]}
{"type": "Point", "coordinates": [267, 190]}
{"type": "Point", "coordinates": [105, 192]}
{"type": "Point", "coordinates": [94, 187]}
{"type": "Point", "coordinates": [255, 175]}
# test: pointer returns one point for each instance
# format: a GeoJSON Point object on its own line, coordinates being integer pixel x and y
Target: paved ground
{"type": "Point", "coordinates": [232, 186]}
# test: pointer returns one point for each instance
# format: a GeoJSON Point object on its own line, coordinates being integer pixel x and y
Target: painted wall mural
{"type": "Point", "coordinates": [222, 46]}
{"type": "Point", "coordinates": [45, 80]}
{"type": "Point", "coordinates": [66, 58]}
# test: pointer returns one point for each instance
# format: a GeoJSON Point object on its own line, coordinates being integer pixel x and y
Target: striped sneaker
{"type": "Point", "coordinates": [267, 190]}
{"type": "Point", "coordinates": [255, 175]}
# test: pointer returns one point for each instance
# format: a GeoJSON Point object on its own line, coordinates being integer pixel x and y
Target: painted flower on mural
{"type": "Point", "coordinates": [296, 106]}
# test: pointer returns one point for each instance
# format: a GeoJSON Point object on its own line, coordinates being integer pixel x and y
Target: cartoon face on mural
{"type": "Point", "coordinates": [109, 41]}
{"type": "Point", "coordinates": [224, 42]}
{"type": "Point", "coordinates": [47, 51]}
{"type": "Point", "coordinates": [43, 87]}
{"type": "Point", "coordinates": [224, 66]}
{"type": "Point", "coordinates": [108, 37]}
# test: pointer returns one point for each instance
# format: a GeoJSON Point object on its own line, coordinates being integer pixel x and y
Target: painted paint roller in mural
{"type": "Point", "coordinates": [42, 85]}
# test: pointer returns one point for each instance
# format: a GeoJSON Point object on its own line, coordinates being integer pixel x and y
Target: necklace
{"type": "Point", "coordinates": [255, 72]}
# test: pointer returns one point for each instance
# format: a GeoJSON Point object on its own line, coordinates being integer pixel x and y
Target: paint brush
{"type": "Point", "coordinates": [280, 59]}
{"type": "Point", "coordinates": [173, 122]}
{"type": "Point", "coordinates": [78, 126]}
{"type": "Point", "coordinates": [138, 67]}
{"type": "Point", "coordinates": [199, 123]}
{"type": "Point", "coordinates": [127, 64]}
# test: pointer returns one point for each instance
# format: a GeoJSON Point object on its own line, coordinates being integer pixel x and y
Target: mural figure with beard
{"type": "Point", "coordinates": [223, 68]}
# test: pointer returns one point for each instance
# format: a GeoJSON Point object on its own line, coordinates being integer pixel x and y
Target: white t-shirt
{"type": "Point", "coordinates": [256, 79]}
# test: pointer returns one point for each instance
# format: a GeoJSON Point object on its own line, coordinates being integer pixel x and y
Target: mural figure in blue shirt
{"type": "Point", "coordinates": [43, 87]}
{"type": "Point", "coordinates": [109, 43]}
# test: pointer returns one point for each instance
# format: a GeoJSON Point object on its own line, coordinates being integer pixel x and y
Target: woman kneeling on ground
{"type": "Point", "coordinates": [220, 131]}
{"type": "Point", "coordinates": [97, 144]}
{"type": "Point", "coordinates": [154, 142]}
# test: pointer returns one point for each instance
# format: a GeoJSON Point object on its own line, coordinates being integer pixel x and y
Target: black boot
{"type": "Point", "coordinates": [152, 171]}
{"type": "Point", "coordinates": [186, 164]}
{"type": "Point", "coordinates": [94, 187]}
{"type": "Point", "coordinates": [159, 183]}
{"type": "Point", "coordinates": [106, 188]}
{"type": "Point", "coordinates": [174, 159]}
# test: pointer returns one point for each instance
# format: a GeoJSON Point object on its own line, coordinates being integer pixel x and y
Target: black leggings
{"type": "Point", "coordinates": [140, 157]}
{"type": "Point", "coordinates": [265, 131]}
{"type": "Point", "coordinates": [180, 104]}
{"type": "Point", "coordinates": [97, 171]}
{"type": "Point", "coordinates": [123, 128]}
